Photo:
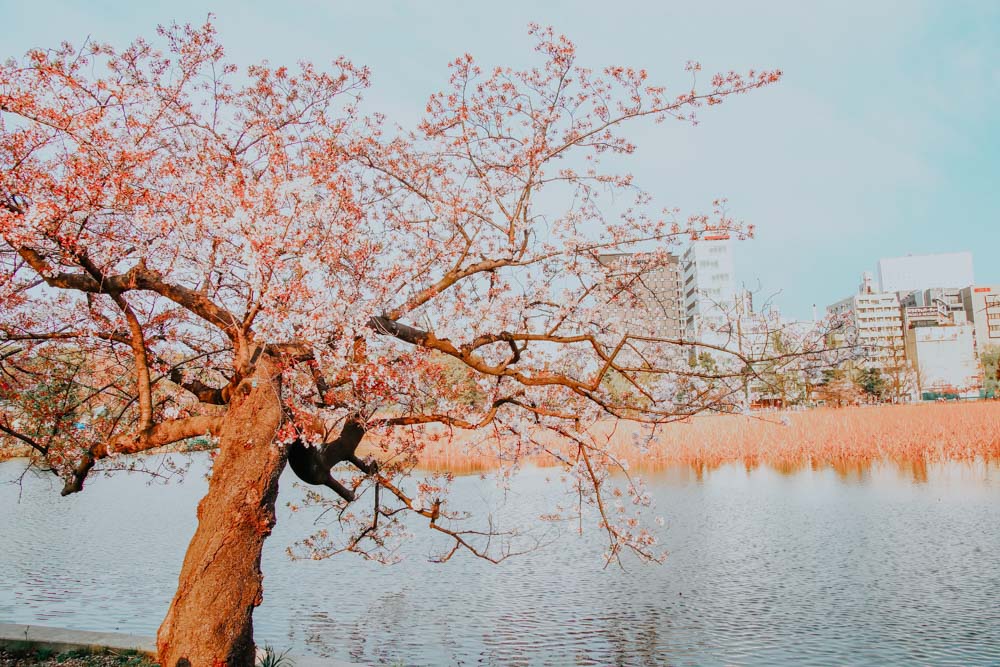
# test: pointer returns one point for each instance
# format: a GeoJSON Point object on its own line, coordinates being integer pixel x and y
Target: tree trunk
{"type": "Point", "coordinates": [209, 622]}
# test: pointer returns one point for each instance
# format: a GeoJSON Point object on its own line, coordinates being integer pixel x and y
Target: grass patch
{"type": "Point", "coordinates": [23, 654]}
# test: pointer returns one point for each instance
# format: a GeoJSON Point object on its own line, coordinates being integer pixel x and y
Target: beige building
{"type": "Point", "coordinates": [982, 308]}
{"type": "Point", "coordinates": [646, 300]}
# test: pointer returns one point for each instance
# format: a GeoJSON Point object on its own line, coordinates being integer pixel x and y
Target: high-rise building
{"type": "Point", "coordinates": [646, 300]}
{"type": "Point", "coordinates": [982, 308]}
{"type": "Point", "coordinates": [921, 272]}
{"type": "Point", "coordinates": [709, 285]}
{"type": "Point", "coordinates": [873, 322]}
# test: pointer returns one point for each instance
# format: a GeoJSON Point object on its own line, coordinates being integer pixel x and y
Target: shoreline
{"type": "Point", "coordinates": [15, 636]}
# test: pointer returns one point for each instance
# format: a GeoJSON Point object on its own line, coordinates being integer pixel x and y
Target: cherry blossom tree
{"type": "Point", "coordinates": [241, 256]}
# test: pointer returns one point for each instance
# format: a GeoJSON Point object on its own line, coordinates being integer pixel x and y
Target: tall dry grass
{"type": "Point", "coordinates": [847, 439]}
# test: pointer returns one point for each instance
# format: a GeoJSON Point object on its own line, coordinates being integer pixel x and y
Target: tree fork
{"type": "Point", "coordinates": [209, 622]}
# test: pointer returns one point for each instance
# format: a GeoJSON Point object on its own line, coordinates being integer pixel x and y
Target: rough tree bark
{"type": "Point", "coordinates": [209, 622]}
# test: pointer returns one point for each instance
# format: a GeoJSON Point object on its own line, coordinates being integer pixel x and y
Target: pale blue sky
{"type": "Point", "coordinates": [883, 138]}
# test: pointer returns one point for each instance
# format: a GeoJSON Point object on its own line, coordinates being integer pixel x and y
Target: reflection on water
{"type": "Point", "coordinates": [885, 565]}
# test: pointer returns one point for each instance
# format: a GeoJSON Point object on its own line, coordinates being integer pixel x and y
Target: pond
{"type": "Point", "coordinates": [881, 566]}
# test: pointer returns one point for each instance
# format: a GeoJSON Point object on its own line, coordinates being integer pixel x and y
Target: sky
{"type": "Point", "coordinates": [881, 140]}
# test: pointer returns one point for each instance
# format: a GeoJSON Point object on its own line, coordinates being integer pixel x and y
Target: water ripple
{"type": "Point", "coordinates": [765, 569]}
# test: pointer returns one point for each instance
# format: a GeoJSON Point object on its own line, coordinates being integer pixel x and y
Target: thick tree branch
{"type": "Point", "coordinates": [157, 435]}
{"type": "Point", "coordinates": [31, 442]}
{"type": "Point", "coordinates": [137, 278]}
{"type": "Point", "coordinates": [203, 392]}
{"type": "Point", "coordinates": [136, 340]}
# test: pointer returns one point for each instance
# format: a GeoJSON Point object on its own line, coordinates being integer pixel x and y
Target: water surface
{"type": "Point", "coordinates": [811, 568]}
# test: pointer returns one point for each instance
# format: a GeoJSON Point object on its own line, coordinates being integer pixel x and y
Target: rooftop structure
{"type": "Point", "coordinates": [946, 298]}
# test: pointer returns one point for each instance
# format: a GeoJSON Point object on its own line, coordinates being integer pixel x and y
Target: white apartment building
{"type": "Point", "coordinates": [982, 308]}
{"type": "Point", "coordinates": [921, 272]}
{"type": "Point", "coordinates": [873, 322]}
{"type": "Point", "coordinates": [709, 286]}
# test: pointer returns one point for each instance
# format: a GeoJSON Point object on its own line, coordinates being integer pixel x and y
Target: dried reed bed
{"type": "Point", "coordinates": [848, 439]}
